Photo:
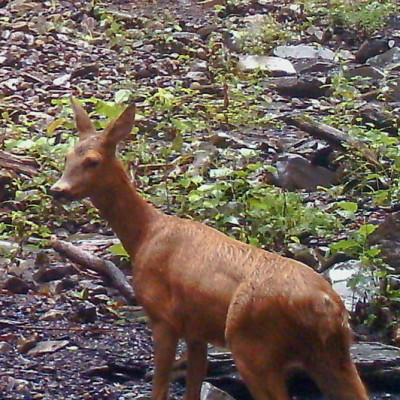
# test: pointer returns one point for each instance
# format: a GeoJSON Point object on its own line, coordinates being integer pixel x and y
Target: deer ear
{"type": "Point", "coordinates": [120, 128]}
{"type": "Point", "coordinates": [83, 123]}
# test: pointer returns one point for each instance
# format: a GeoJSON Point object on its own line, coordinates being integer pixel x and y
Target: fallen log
{"type": "Point", "coordinates": [18, 164]}
{"type": "Point", "coordinates": [337, 138]}
{"type": "Point", "coordinates": [94, 263]}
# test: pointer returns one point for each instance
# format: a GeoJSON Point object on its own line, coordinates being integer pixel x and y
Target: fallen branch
{"type": "Point", "coordinates": [17, 163]}
{"type": "Point", "coordinates": [92, 262]}
{"type": "Point", "coordinates": [335, 137]}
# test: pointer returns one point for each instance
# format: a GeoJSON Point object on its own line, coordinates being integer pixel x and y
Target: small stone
{"type": "Point", "coordinates": [195, 86]}
{"type": "Point", "coordinates": [199, 66]}
{"type": "Point", "coordinates": [370, 48]}
{"type": "Point", "coordinates": [296, 172]}
{"type": "Point", "coordinates": [86, 312]}
{"type": "Point", "coordinates": [5, 348]}
{"type": "Point", "coordinates": [17, 36]}
{"type": "Point", "coordinates": [16, 285]}
{"type": "Point", "coordinates": [52, 273]}
{"type": "Point", "coordinates": [201, 53]}
{"type": "Point", "coordinates": [210, 392]}
{"type": "Point", "coordinates": [49, 346]}
{"type": "Point", "coordinates": [386, 59]}
{"type": "Point", "coordinates": [365, 72]}
{"type": "Point", "coordinates": [52, 315]}
{"type": "Point", "coordinates": [199, 77]}
{"type": "Point", "coordinates": [304, 51]}
{"type": "Point", "coordinates": [276, 66]}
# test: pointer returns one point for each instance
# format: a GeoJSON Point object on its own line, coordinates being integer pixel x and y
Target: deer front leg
{"type": "Point", "coordinates": [165, 343]}
{"type": "Point", "coordinates": [197, 369]}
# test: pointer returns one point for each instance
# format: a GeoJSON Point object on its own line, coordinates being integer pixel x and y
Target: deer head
{"type": "Point", "coordinates": [90, 163]}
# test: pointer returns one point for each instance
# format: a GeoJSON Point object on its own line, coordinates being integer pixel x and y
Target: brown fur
{"type": "Point", "coordinates": [199, 285]}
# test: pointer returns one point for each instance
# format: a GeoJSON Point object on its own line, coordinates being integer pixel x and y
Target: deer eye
{"type": "Point", "coordinates": [91, 162]}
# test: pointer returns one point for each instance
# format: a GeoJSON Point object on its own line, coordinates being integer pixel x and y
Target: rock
{"type": "Point", "coordinates": [53, 273]}
{"type": "Point", "coordinates": [365, 72]}
{"type": "Point", "coordinates": [304, 51]}
{"type": "Point", "coordinates": [296, 172]}
{"type": "Point", "coordinates": [393, 93]}
{"type": "Point", "coordinates": [276, 66]}
{"type": "Point", "coordinates": [308, 66]}
{"type": "Point", "coordinates": [306, 255]}
{"type": "Point", "coordinates": [378, 363]}
{"type": "Point", "coordinates": [186, 37]}
{"type": "Point", "coordinates": [86, 312]}
{"type": "Point", "coordinates": [199, 66]}
{"type": "Point", "coordinates": [5, 348]}
{"type": "Point", "coordinates": [342, 273]}
{"type": "Point", "coordinates": [370, 48]}
{"type": "Point", "coordinates": [49, 346]}
{"type": "Point", "coordinates": [387, 237]}
{"type": "Point", "coordinates": [387, 59]}
{"type": "Point", "coordinates": [52, 315]}
{"type": "Point", "coordinates": [199, 77]}
{"type": "Point", "coordinates": [210, 392]}
{"type": "Point", "coordinates": [378, 115]}
{"type": "Point", "coordinates": [308, 87]}
{"type": "Point", "coordinates": [17, 285]}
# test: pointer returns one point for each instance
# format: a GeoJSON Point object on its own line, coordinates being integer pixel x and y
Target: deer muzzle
{"type": "Point", "coordinates": [62, 191]}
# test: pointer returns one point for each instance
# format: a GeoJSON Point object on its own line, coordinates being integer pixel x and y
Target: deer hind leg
{"type": "Point", "coordinates": [262, 371]}
{"type": "Point", "coordinates": [165, 343]}
{"type": "Point", "coordinates": [338, 380]}
{"type": "Point", "coordinates": [197, 369]}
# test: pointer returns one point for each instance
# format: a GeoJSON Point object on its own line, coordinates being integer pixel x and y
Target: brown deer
{"type": "Point", "coordinates": [197, 284]}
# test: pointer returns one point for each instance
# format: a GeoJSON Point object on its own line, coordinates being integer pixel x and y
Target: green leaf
{"type": "Point", "coordinates": [54, 125]}
{"type": "Point", "coordinates": [118, 250]}
{"type": "Point", "coordinates": [122, 96]}
{"type": "Point", "coordinates": [344, 245]}
{"type": "Point", "coordinates": [367, 229]}
{"type": "Point", "coordinates": [348, 206]}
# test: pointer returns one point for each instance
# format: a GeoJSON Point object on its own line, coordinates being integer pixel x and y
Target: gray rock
{"type": "Point", "coordinates": [307, 66]}
{"type": "Point", "coordinates": [86, 313]}
{"type": "Point", "coordinates": [387, 237]}
{"type": "Point", "coordinates": [210, 392]}
{"type": "Point", "coordinates": [199, 66]}
{"type": "Point", "coordinates": [307, 87]}
{"type": "Point", "coordinates": [370, 48]}
{"type": "Point", "coordinates": [49, 346]}
{"type": "Point", "coordinates": [296, 172]}
{"type": "Point", "coordinates": [304, 51]}
{"type": "Point", "coordinates": [199, 77]}
{"type": "Point", "coordinates": [17, 285]}
{"type": "Point", "coordinates": [186, 37]}
{"type": "Point", "coordinates": [276, 66]}
{"type": "Point", "coordinates": [365, 72]}
{"type": "Point", "coordinates": [341, 273]}
{"type": "Point", "coordinates": [53, 273]}
{"type": "Point", "coordinates": [393, 93]}
{"type": "Point", "coordinates": [5, 348]}
{"type": "Point", "coordinates": [386, 59]}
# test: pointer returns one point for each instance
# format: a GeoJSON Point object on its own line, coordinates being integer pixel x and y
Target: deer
{"type": "Point", "coordinates": [201, 286]}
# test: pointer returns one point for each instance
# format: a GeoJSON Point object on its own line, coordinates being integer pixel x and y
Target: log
{"type": "Point", "coordinates": [337, 138]}
{"type": "Point", "coordinates": [94, 263]}
{"type": "Point", "coordinates": [18, 164]}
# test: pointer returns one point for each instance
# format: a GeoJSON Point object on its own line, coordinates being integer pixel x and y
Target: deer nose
{"type": "Point", "coordinates": [60, 191]}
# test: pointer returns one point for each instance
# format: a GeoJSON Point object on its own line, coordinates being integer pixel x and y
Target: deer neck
{"type": "Point", "coordinates": [128, 214]}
